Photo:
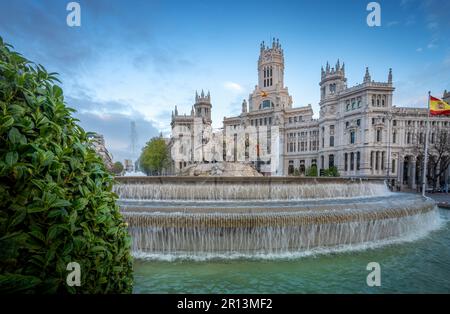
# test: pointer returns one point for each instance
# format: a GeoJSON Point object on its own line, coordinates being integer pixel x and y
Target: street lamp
{"type": "Point", "coordinates": [388, 116]}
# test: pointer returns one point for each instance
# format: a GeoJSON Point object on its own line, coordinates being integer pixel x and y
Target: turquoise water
{"type": "Point", "coordinates": [419, 266]}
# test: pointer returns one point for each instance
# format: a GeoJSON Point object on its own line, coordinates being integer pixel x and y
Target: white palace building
{"type": "Point", "coordinates": [358, 131]}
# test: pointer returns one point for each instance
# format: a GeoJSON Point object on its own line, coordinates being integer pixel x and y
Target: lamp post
{"type": "Point", "coordinates": [388, 115]}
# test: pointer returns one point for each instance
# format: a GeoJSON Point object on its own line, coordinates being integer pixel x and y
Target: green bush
{"type": "Point", "coordinates": [311, 171]}
{"type": "Point", "coordinates": [331, 172]}
{"type": "Point", "coordinates": [56, 201]}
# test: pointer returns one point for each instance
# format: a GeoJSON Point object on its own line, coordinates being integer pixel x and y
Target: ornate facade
{"type": "Point", "coordinates": [358, 131]}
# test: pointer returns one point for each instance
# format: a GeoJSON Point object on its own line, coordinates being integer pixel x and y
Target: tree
{"type": "Point", "coordinates": [438, 155]}
{"type": "Point", "coordinates": [331, 172]}
{"type": "Point", "coordinates": [155, 156]}
{"type": "Point", "coordinates": [56, 199]}
{"type": "Point", "coordinates": [312, 171]}
{"type": "Point", "coordinates": [117, 168]}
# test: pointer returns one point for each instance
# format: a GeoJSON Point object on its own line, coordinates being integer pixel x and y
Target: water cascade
{"type": "Point", "coordinates": [266, 215]}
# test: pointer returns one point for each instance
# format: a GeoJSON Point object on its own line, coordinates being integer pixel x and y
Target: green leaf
{"type": "Point", "coordinates": [18, 218]}
{"type": "Point", "coordinates": [16, 137]}
{"type": "Point", "coordinates": [6, 122]}
{"type": "Point", "coordinates": [60, 203]}
{"type": "Point", "coordinates": [11, 158]}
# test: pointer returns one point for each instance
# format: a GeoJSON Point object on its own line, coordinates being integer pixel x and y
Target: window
{"type": "Point", "coordinates": [373, 120]}
{"type": "Point", "coordinates": [394, 137]}
{"type": "Point", "coordinates": [358, 122]}
{"type": "Point", "coordinates": [291, 167]}
{"type": "Point", "coordinates": [382, 160]}
{"type": "Point", "coordinates": [290, 119]}
{"type": "Point", "coordinates": [378, 135]}
{"type": "Point", "coordinates": [371, 160]}
{"type": "Point", "coordinates": [352, 161]}
{"type": "Point", "coordinates": [394, 122]}
{"type": "Point", "coordinates": [345, 162]}
{"type": "Point", "coordinates": [352, 137]}
{"type": "Point", "coordinates": [347, 107]}
{"type": "Point", "coordinates": [347, 124]}
{"type": "Point", "coordinates": [331, 161]}
{"type": "Point", "coordinates": [321, 162]}
{"type": "Point", "coordinates": [377, 156]}
{"type": "Point", "coordinates": [393, 166]}
{"type": "Point", "coordinates": [358, 160]}
{"type": "Point", "coordinates": [331, 141]}
{"type": "Point", "coordinates": [266, 104]}
{"type": "Point", "coordinates": [408, 138]}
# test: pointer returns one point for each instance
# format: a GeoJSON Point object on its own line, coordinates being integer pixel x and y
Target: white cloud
{"type": "Point", "coordinates": [419, 49]}
{"type": "Point", "coordinates": [431, 45]}
{"type": "Point", "coordinates": [233, 86]}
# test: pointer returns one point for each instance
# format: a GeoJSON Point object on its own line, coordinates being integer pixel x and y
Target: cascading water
{"type": "Point", "coordinates": [273, 216]}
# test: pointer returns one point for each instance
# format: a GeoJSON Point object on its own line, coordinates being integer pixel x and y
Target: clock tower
{"type": "Point", "coordinates": [270, 91]}
{"type": "Point", "coordinates": [271, 66]}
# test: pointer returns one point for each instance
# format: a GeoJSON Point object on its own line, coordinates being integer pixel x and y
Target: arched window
{"type": "Point", "coordinates": [358, 160]}
{"type": "Point", "coordinates": [330, 161]}
{"type": "Point", "coordinates": [266, 104]}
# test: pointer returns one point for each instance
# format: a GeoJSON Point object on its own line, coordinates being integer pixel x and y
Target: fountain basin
{"type": "Point", "coordinates": [236, 217]}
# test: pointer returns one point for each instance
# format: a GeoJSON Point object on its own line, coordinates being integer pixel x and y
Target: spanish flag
{"type": "Point", "coordinates": [439, 107]}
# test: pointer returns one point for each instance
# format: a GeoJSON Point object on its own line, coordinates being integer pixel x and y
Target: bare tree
{"type": "Point", "coordinates": [438, 155]}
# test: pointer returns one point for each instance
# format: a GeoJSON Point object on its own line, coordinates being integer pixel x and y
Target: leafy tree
{"type": "Point", "coordinates": [438, 155]}
{"type": "Point", "coordinates": [155, 156]}
{"type": "Point", "coordinates": [56, 199]}
{"type": "Point", "coordinates": [117, 168]}
{"type": "Point", "coordinates": [311, 171]}
{"type": "Point", "coordinates": [331, 172]}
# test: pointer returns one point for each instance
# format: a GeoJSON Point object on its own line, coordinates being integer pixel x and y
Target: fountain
{"type": "Point", "coordinates": [265, 215]}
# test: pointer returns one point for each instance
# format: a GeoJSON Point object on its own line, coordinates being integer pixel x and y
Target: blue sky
{"type": "Point", "coordinates": [136, 60]}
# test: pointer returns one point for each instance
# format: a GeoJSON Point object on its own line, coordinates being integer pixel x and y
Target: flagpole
{"type": "Point", "coordinates": [425, 159]}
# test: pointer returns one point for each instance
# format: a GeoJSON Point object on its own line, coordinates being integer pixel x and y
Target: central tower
{"type": "Point", "coordinates": [271, 66]}
{"type": "Point", "coordinates": [270, 91]}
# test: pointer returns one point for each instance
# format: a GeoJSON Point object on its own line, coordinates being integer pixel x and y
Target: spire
{"type": "Point", "coordinates": [202, 94]}
{"type": "Point", "coordinates": [208, 96]}
{"type": "Point", "coordinates": [196, 96]}
{"type": "Point", "coordinates": [390, 76]}
{"type": "Point", "coordinates": [273, 43]}
{"type": "Point", "coordinates": [343, 68]}
{"type": "Point", "coordinates": [338, 65]}
{"type": "Point", "coordinates": [367, 76]}
{"type": "Point", "coordinates": [322, 71]}
{"type": "Point", "coordinates": [176, 110]}
{"type": "Point", "coordinates": [192, 111]}
{"type": "Point", "coordinates": [328, 68]}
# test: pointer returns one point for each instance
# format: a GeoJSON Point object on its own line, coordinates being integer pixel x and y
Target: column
{"type": "Point", "coordinates": [413, 172]}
